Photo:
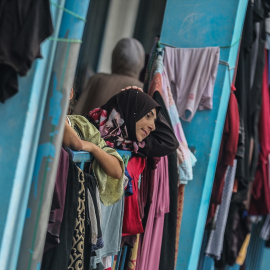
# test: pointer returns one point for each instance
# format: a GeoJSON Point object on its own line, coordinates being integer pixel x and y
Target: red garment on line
{"type": "Point", "coordinates": [228, 148]}
{"type": "Point", "coordinates": [132, 222]}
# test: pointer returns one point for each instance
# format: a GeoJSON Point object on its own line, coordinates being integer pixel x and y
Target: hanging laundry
{"type": "Point", "coordinates": [93, 213]}
{"type": "Point", "coordinates": [265, 232]}
{"type": "Point", "coordinates": [252, 41]}
{"type": "Point", "coordinates": [132, 224]}
{"type": "Point", "coordinates": [58, 257]}
{"type": "Point", "coordinates": [192, 74]}
{"type": "Point", "coordinates": [110, 189]}
{"type": "Point", "coordinates": [159, 91]}
{"type": "Point", "coordinates": [260, 197]}
{"type": "Point", "coordinates": [228, 148]}
{"type": "Point", "coordinates": [132, 260]}
{"type": "Point", "coordinates": [107, 262]}
{"type": "Point", "coordinates": [127, 184]}
{"type": "Point", "coordinates": [170, 219]}
{"type": "Point", "coordinates": [257, 67]}
{"type": "Point", "coordinates": [81, 241]}
{"type": "Point", "coordinates": [237, 228]}
{"type": "Point", "coordinates": [111, 227]}
{"type": "Point", "coordinates": [186, 159]}
{"type": "Point", "coordinates": [58, 202]}
{"type": "Point", "coordinates": [160, 82]}
{"type": "Point", "coordinates": [24, 25]}
{"type": "Point", "coordinates": [149, 255]}
{"type": "Point", "coordinates": [215, 242]}
{"type": "Point", "coordinates": [180, 207]}
{"type": "Point", "coordinates": [243, 251]}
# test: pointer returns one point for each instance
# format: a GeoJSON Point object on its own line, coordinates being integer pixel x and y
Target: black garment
{"type": "Point", "coordinates": [248, 85]}
{"type": "Point", "coordinates": [24, 24]}
{"type": "Point", "coordinates": [91, 186]}
{"type": "Point", "coordinates": [170, 219]}
{"type": "Point", "coordinates": [241, 139]}
{"type": "Point", "coordinates": [237, 227]}
{"type": "Point", "coordinates": [8, 82]}
{"type": "Point", "coordinates": [99, 266]}
{"type": "Point", "coordinates": [58, 257]}
{"type": "Point", "coordinates": [242, 94]}
{"type": "Point", "coordinates": [256, 90]}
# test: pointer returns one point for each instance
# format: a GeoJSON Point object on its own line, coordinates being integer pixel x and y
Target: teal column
{"type": "Point", "coordinates": [20, 129]}
{"type": "Point", "coordinates": [191, 24]}
{"type": "Point", "coordinates": [265, 260]}
{"type": "Point", "coordinates": [50, 139]}
{"type": "Point", "coordinates": [255, 248]}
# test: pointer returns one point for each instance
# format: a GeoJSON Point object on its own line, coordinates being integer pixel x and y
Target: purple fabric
{"type": "Point", "coordinates": [192, 74]}
{"type": "Point", "coordinates": [148, 257]}
{"type": "Point", "coordinates": [58, 203]}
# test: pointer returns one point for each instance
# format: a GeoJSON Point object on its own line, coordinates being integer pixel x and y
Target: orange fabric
{"type": "Point", "coordinates": [235, 186]}
{"type": "Point", "coordinates": [180, 205]}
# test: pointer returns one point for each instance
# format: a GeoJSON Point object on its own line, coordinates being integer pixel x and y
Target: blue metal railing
{"type": "Point", "coordinates": [81, 157]}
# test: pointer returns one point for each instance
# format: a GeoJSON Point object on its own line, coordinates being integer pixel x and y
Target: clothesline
{"type": "Point", "coordinates": [221, 47]}
{"type": "Point", "coordinates": [70, 40]}
{"type": "Point", "coordinates": [69, 12]}
{"type": "Point", "coordinates": [220, 61]}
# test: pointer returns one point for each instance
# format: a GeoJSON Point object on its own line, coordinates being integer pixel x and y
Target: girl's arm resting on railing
{"type": "Point", "coordinates": [110, 164]}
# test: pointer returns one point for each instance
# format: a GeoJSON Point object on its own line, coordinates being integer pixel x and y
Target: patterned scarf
{"type": "Point", "coordinates": [116, 120]}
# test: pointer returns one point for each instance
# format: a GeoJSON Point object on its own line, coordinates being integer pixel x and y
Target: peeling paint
{"type": "Point", "coordinates": [28, 213]}
{"type": "Point", "coordinates": [55, 110]}
{"type": "Point", "coordinates": [38, 266]}
{"type": "Point", "coordinates": [46, 150]}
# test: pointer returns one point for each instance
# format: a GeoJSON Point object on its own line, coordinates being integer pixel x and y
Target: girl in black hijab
{"type": "Point", "coordinates": [131, 121]}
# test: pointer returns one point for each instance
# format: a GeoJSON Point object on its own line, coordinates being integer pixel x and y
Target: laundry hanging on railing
{"type": "Point", "coordinates": [24, 25]}
{"type": "Point", "coordinates": [192, 74]}
{"type": "Point", "coordinates": [159, 81]}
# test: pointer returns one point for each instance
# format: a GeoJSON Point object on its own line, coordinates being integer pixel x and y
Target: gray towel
{"type": "Point", "coordinates": [215, 242]}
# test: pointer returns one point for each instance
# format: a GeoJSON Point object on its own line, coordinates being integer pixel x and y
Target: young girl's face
{"type": "Point", "coordinates": [145, 125]}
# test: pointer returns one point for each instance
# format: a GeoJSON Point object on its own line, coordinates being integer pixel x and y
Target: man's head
{"type": "Point", "coordinates": [128, 57]}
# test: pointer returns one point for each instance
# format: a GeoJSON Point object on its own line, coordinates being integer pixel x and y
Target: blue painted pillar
{"type": "Point", "coordinates": [20, 128]}
{"type": "Point", "coordinates": [265, 260]}
{"type": "Point", "coordinates": [191, 24]}
{"type": "Point", "coordinates": [50, 140]}
{"type": "Point", "coordinates": [255, 248]}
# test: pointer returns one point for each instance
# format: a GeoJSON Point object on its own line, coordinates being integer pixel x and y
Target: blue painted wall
{"type": "Point", "coordinates": [265, 261]}
{"type": "Point", "coordinates": [20, 130]}
{"type": "Point", "coordinates": [189, 24]}
{"type": "Point", "coordinates": [31, 136]}
{"type": "Point", "coordinates": [50, 140]}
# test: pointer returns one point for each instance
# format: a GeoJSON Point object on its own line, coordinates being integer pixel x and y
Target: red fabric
{"type": "Point", "coordinates": [228, 148]}
{"type": "Point", "coordinates": [132, 222]}
{"type": "Point", "coordinates": [260, 197]}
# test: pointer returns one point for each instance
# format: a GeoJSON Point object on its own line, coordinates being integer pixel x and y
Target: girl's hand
{"type": "Point", "coordinates": [133, 87]}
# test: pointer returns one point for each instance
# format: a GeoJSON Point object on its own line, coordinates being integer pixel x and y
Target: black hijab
{"type": "Point", "coordinates": [116, 121]}
{"type": "Point", "coordinates": [132, 105]}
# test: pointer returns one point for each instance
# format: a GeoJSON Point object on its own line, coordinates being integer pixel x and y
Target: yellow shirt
{"type": "Point", "coordinates": [110, 189]}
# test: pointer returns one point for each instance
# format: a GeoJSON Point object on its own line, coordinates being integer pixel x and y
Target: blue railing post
{"type": "Point", "coordinates": [20, 129]}
{"type": "Point", "coordinates": [50, 140]}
